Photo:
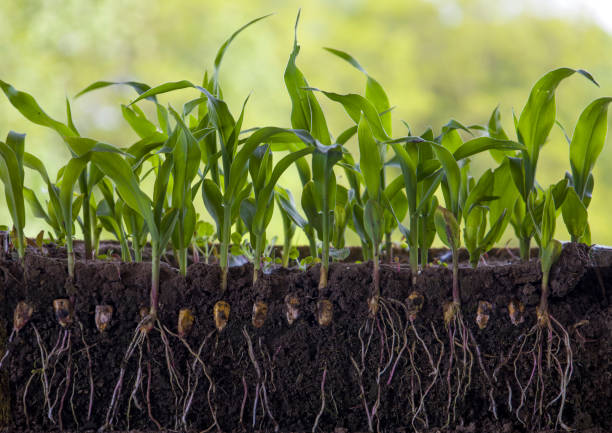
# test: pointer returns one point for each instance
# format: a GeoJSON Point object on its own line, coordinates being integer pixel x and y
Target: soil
{"type": "Point", "coordinates": [293, 359]}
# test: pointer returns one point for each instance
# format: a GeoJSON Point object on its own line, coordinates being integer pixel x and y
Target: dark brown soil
{"type": "Point", "coordinates": [294, 358]}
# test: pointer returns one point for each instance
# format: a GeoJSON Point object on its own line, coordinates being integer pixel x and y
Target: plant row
{"type": "Point", "coordinates": [202, 153]}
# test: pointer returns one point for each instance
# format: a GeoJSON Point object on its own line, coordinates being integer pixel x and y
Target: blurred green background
{"type": "Point", "coordinates": [437, 60]}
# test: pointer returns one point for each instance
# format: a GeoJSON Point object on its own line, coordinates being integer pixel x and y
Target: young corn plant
{"type": "Point", "coordinates": [30, 109]}
{"type": "Point", "coordinates": [11, 174]}
{"type": "Point", "coordinates": [63, 204]}
{"type": "Point", "coordinates": [547, 344]}
{"type": "Point", "coordinates": [282, 195]}
{"type": "Point", "coordinates": [459, 202]}
{"type": "Point", "coordinates": [532, 129]}
{"type": "Point", "coordinates": [585, 146]}
{"type": "Point", "coordinates": [257, 211]}
{"type": "Point", "coordinates": [319, 194]}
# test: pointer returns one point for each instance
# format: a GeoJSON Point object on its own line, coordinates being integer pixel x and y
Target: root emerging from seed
{"type": "Point", "coordinates": [547, 347]}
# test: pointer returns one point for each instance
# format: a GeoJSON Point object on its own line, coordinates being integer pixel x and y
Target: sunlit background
{"type": "Point", "coordinates": [437, 59]}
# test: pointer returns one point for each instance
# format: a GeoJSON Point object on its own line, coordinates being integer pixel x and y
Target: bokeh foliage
{"type": "Point", "coordinates": [437, 60]}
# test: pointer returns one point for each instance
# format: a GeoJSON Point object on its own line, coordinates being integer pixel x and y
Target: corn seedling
{"type": "Point", "coordinates": [11, 174]}
{"type": "Point", "coordinates": [532, 130]}
{"type": "Point", "coordinates": [585, 146]}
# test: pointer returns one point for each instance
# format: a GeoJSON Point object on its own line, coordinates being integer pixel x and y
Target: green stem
{"type": "Point", "coordinates": [312, 242]}
{"type": "Point", "coordinates": [125, 250]}
{"type": "Point", "coordinates": [87, 226]}
{"type": "Point", "coordinates": [524, 246]}
{"type": "Point", "coordinates": [389, 247]}
{"type": "Point", "coordinates": [575, 238]}
{"type": "Point", "coordinates": [376, 273]}
{"type": "Point", "coordinates": [224, 246]}
{"type": "Point", "coordinates": [456, 295]}
{"type": "Point", "coordinates": [259, 247]}
{"type": "Point", "coordinates": [325, 246]}
{"type": "Point", "coordinates": [544, 296]}
{"type": "Point", "coordinates": [423, 250]}
{"type": "Point", "coordinates": [182, 259]}
{"type": "Point", "coordinates": [137, 250]}
{"type": "Point", "coordinates": [21, 244]}
{"type": "Point", "coordinates": [413, 244]}
{"type": "Point", "coordinates": [70, 257]}
{"type": "Point", "coordinates": [155, 263]}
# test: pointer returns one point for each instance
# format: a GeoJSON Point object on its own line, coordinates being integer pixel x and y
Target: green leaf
{"type": "Point", "coordinates": [373, 217]}
{"type": "Point", "coordinates": [164, 88]}
{"type": "Point", "coordinates": [481, 144]}
{"type": "Point", "coordinates": [29, 108]}
{"type": "Point", "coordinates": [370, 162]}
{"type": "Point", "coordinates": [140, 88]}
{"type": "Point", "coordinates": [538, 116]}
{"type": "Point", "coordinates": [213, 201]}
{"type": "Point", "coordinates": [453, 175]}
{"type": "Point", "coordinates": [306, 113]}
{"type": "Point", "coordinates": [587, 142]}
{"type": "Point", "coordinates": [447, 227]}
{"type": "Point", "coordinates": [225, 46]}
{"type": "Point", "coordinates": [574, 214]}
{"type": "Point", "coordinates": [374, 92]}
{"type": "Point", "coordinates": [549, 218]}
{"type": "Point", "coordinates": [496, 130]}
{"type": "Point", "coordinates": [138, 121]}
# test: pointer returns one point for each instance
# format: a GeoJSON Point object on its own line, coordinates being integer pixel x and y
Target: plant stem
{"type": "Point", "coordinates": [543, 309]}
{"type": "Point", "coordinates": [575, 238]}
{"type": "Point", "coordinates": [87, 226]}
{"type": "Point", "coordinates": [389, 247]}
{"type": "Point", "coordinates": [424, 252]}
{"type": "Point", "coordinates": [259, 246]}
{"type": "Point", "coordinates": [137, 250]}
{"type": "Point", "coordinates": [70, 256]}
{"type": "Point", "coordinates": [182, 259]}
{"type": "Point", "coordinates": [125, 250]}
{"type": "Point", "coordinates": [286, 249]}
{"type": "Point", "coordinates": [312, 242]}
{"type": "Point", "coordinates": [524, 245]}
{"type": "Point", "coordinates": [325, 236]}
{"type": "Point", "coordinates": [155, 262]}
{"type": "Point", "coordinates": [456, 295]}
{"type": "Point", "coordinates": [413, 244]}
{"type": "Point", "coordinates": [21, 243]}
{"type": "Point", "coordinates": [224, 241]}
{"type": "Point", "coordinates": [376, 274]}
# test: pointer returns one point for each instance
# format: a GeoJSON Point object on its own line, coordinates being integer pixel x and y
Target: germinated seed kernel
{"type": "Point", "coordinates": [325, 312]}
{"type": "Point", "coordinates": [373, 305]}
{"type": "Point", "coordinates": [516, 311]}
{"type": "Point", "coordinates": [22, 315]}
{"type": "Point", "coordinates": [414, 304]}
{"type": "Point", "coordinates": [292, 308]}
{"type": "Point", "coordinates": [103, 317]}
{"type": "Point", "coordinates": [260, 310]}
{"type": "Point", "coordinates": [63, 311]}
{"type": "Point", "coordinates": [221, 313]}
{"type": "Point", "coordinates": [185, 322]}
{"type": "Point", "coordinates": [483, 313]}
{"type": "Point", "coordinates": [543, 319]}
{"type": "Point", "coordinates": [450, 309]}
{"type": "Point", "coordinates": [148, 324]}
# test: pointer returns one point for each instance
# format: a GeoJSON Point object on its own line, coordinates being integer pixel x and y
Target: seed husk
{"type": "Point", "coordinates": [516, 311]}
{"type": "Point", "coordinates": [103, 317]}
{"type": "Point", "coordinates": [185, 322]}
{"type": "Point", "coordinates": [63, 311]}
{"type": "Point", "coordinates": [22, 315]}
{"type": "Point", "coordinates": [148, 324]}
{"type": "Point", "coordinates": [325, 312]}
{"type": "Point", "coordinates": [414, 304]}
{"type": "Point", "coordinates": [450, 310]}
{"type": "Point", "coordinates": [483, 313]}
{"type": "Point", "coordinates": [260, 310]}
{"type": "Point", "coordinates": [221, 314]}
{"type": "Point", "coordinates": [292, 308]}
{"type": "Point", "coordinates": [373, 305]}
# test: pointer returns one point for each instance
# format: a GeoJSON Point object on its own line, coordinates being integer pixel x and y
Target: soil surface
{"type": "Point", "coordinates": [388, 373]}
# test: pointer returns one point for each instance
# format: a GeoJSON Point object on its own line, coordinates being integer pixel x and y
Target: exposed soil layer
{"type": "Point", "coordinates": [308, 371]}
